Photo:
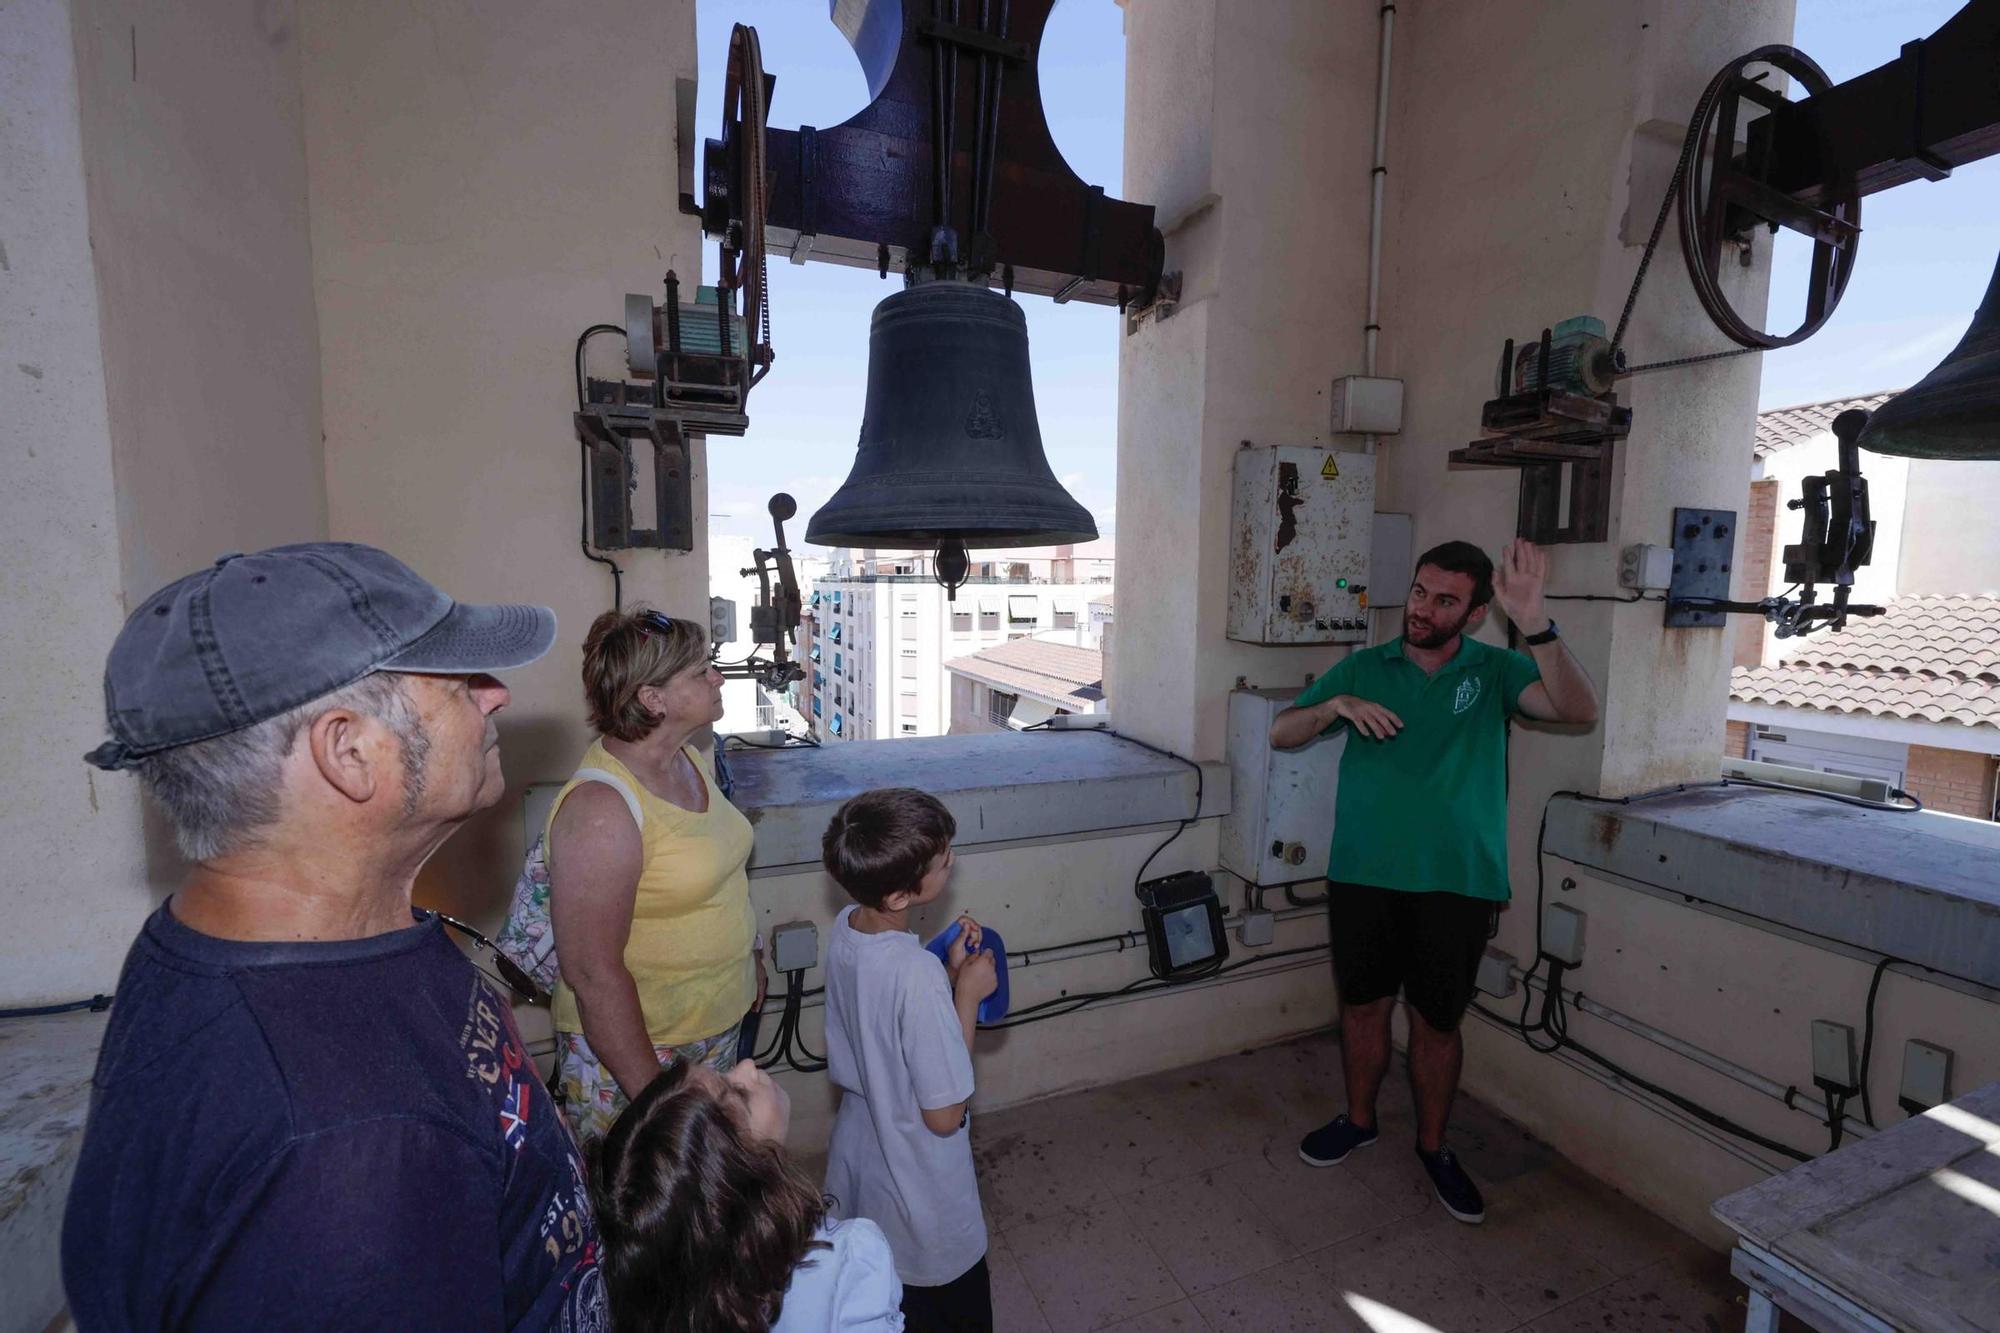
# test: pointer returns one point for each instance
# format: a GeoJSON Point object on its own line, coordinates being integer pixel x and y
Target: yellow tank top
{"type": "Point", "coordinates": [692, 926]}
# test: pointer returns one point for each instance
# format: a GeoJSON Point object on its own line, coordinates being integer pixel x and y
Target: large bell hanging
{"type": "Point", "coordinates": [950, 449]}
{"type": "Point", "coordinates": [1953, 412]}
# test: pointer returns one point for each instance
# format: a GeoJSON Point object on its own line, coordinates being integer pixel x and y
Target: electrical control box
{"type": "Point", "coordinates": [1302, 531]}
{"type": "Point", "coordinates": [1562, 934]}
{"type": "Point", "coordinates": [794, 946]}
{"type": "Point", "coordinates": [1280, 821]}
{"type": "Point", "coordinates": [1367, 405]}
{"type": "Point", "coordinates": [1256, 929]}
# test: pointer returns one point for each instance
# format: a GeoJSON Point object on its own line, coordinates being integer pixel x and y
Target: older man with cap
{"type": "Point", "coordinates": [310, 1109]}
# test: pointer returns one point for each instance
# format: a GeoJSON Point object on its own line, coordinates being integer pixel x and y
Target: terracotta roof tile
{"type": "Point", "coordinates": [1031, 666]}
{"type": "Point", "coordinates": [1782, 427]}
{"type": "Point", "coordinates": [1934, 659]}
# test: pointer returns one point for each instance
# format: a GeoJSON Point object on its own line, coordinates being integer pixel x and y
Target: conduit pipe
{"type": "Point", "coordinates": [1665, 1110]}
{"type": "Point", "coordinates": [1377, 184]}
{"type": "Point", "coordinates": [1805, 1103]}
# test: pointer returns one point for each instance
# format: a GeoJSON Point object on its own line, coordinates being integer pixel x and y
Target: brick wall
{"type": "Point", "coordinates": [1737, 744]}
{"type": "Point", "coordinates": [1956, 782]}
{"type": "Point", "coordinates": [1754, 551]}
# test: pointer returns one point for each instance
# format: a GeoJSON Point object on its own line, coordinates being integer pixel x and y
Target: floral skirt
{"type": "Point", "coordinates": [591, 1097]}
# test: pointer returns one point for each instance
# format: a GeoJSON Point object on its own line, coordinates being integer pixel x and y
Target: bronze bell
{"type": "Point", "coordinates": [950, 449]}
{"type": "Point", "coordinates": [1953, 412]}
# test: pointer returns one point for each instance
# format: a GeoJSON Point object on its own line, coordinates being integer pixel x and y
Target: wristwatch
{"type": "Point", "coordinates": [1549, 635]}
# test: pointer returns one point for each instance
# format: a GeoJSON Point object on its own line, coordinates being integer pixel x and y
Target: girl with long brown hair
{"type": "Point", "coordinates": [704, 1224]}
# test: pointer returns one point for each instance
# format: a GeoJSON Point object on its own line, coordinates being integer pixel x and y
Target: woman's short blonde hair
{"type": "Point", "coordinates": [626, 651]}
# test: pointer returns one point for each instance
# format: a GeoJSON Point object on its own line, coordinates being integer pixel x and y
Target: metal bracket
{"type": "Point", "coordinates": [1704, 549]}
{"type": "Point", "coordinates": [612, 432]}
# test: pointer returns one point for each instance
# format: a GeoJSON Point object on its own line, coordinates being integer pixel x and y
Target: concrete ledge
{"type": "Point", "coordinates": [45, 1069]}
{"type": "Point", "coordinates": [1922, 887]}
{"type": "Point", "coordinates": [1000, 786]}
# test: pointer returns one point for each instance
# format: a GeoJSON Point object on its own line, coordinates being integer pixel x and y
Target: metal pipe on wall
{"type": "Point", "coordinates": [1377, 183]}
{"type": "Point", "coordinates": [1749, 1078]}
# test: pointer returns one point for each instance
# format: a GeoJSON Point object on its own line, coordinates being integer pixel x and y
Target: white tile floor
{"type": "Point", "coordinates": [1178, 1202]}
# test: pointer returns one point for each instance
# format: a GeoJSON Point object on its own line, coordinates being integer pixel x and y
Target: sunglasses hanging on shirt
{"type": "Point", "coordinates": [516, 980]}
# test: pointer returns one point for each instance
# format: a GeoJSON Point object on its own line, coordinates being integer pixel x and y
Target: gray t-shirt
{"type": "Point", "coordinates": [894, 1047]}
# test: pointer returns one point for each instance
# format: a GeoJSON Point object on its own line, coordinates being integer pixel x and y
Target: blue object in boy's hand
{"type": "Point", "coordinates": [994, 1007]}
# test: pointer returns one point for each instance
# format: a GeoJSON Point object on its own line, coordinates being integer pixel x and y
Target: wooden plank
{"type": "Point", "coordinates": [1903, 1224]}
{"type": "Point", "coordinates": [1807, 1194]}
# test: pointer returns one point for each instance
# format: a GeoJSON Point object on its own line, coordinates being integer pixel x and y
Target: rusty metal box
{"type": "Point", "coordinates": [1302, 526]}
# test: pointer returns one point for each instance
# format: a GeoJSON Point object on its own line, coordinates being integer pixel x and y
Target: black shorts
{"type": "Point", "coordinates": [962, 1305]}
{"type": "Point", "coordinates": [1427, 945]}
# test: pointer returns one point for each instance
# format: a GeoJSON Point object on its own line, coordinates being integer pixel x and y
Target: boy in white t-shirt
{"type": "Point", "coordinates": [899, 1045]}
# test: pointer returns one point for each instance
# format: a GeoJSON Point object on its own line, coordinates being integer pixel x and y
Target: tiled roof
{"type": "Point", "coordinates": [1929, 659]}
{"type": "Point", "coordinates": [1782, 427]}
{"type": "Point", "coordinates": [1030, 666]}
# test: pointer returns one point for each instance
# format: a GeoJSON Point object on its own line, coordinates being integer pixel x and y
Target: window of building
{"type": "Point", "coordinates": [1023, 610]}
{"type": "Point", "coordinates": [907, 650]}
{"type": "Point", "coordinates": [836, 664]}
{"type": "Point", "coordinates": [961, 622]}
{"type": "Point", "coordinates": [815, 653]}
{"type": "Point", "coordinates": [836, 724]}
{"type": "Point", "coordinates": [836, 597]}
{"type": "Point", "coordinates": [908, 728]}
{"type": "Point", "coordinates": [1000, 707]}
{"type": "Point", "coordinates": [1065, 617]}
{"type": "Point", "coordinates": [989, 613]}
{"type": "Point", "coordinates": [908, 612]}
{"type": "Point", "coordinates": [816, 707]}
{"type": "Point", "coordinates": [819, 681]}
{"type": "Point", "coordinates": [836, 632]}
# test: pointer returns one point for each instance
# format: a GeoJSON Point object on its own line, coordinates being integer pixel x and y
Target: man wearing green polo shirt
{"type": "Point", "coordinates": [1418, 868]}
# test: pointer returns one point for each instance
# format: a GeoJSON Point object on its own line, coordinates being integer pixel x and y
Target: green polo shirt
{"type": "Point", "coordinates": [1427, 809]}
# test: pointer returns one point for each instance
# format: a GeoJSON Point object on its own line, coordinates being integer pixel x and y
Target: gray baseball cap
{"type": "Point", "coordinates": [253, 636]}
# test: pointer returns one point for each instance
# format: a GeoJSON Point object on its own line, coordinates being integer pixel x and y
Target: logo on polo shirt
{"type": "Point", "coordinates": [1466, 695]}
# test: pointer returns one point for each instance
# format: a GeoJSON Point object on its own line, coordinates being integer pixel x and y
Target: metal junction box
{"type": "Point", "coordinates": [1280, 821]}
{"type": "Point", "coordinates": [1298, 559]}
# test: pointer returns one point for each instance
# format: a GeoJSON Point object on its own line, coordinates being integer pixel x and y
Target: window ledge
{"type": "Point", "coordinates": [1001, 787]}
{"type": "Point", "coordinates": [1923, 887]}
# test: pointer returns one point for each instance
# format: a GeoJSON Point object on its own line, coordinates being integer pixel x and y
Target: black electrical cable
{"type": "Point", "coordinates": [1601, 597]}
{"type": "Point", "coordinates": [1868, 1037]}
{"type": "Point", "coordinates": [1069, 1004]}
{"type": "Point", "coordinates": [96, 1004]}
{"type": "Point", "coordinates": [583, 535]}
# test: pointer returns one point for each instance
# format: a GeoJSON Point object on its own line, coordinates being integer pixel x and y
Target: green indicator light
{"type": "Point", "coordinates": [1340, 583]}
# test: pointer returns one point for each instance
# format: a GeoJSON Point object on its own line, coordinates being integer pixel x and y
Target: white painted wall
{"type": "Point", "coordinates": [1044, 893]}
{"type": "Point", "coordinates": [161, 406]}
{"type": "Point", "coordinates": [475, 207]}
{"type": "Point", "coordinates": [1950, 543]}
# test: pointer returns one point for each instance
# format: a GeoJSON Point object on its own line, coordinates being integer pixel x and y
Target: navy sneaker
{"type": "Point", "coordinates": [1330, 1143]}
{"type": "Point", "coordinates": [1455, 1189]}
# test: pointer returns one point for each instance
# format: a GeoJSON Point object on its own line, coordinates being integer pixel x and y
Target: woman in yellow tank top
{"type": "Point", "coordinates": [648, 896]}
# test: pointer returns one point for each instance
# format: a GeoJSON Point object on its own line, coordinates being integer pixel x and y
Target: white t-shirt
{"type": "Point", "coordinates": [852, 1286]}
{"type": "Point", "coordinates": [894, 1047]}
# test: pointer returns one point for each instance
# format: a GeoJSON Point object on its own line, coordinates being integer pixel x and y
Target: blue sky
{"type": "Point", "coordinates": [1925, 258]}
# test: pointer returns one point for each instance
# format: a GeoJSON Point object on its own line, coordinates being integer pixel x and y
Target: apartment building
{"type": "Point", "coordinates": [878, 632]}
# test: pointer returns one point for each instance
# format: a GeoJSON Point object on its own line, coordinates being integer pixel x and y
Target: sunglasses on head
{"type": "Point", "coordinates": [654, 620]}
{"type": "Point", "coordinates": [519, 982]}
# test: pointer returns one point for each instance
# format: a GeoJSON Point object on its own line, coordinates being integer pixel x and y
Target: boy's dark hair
{"type": "Point", "coordinates": [882, 841]}
{"type": "Point", "coordinates": [1467, 559]}
{"type": "Point", "coordinates": [699, 1226]}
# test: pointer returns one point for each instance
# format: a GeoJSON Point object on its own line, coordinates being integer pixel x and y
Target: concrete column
{"type": "Point", "coordinates": [1248, 126]}
{"type": "Point", "coordinates": [475, 207]}
{"type": "Point", "coordinates": [72, 896]}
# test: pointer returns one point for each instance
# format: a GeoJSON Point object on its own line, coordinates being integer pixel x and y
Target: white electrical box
{"type": "Point", "coordinates": [1302, 532]}
{"type": "Point", "coordinates": [721, 620]}
{"type": "Point", "coordinates": [1562, 934]}
{"type": "Point", "coordinates": [1926, 1075]}
{"type": "Point", "coordinates": [1367, 405]}
{"type": "Point", "coordinates": [1833, 1054]}
{"type": "Point", "coordinates": [1645, 568]}
{"type": "Point", "coordinates": [1280, 821]}
{"type": "Point", "coordinates": [794, 946]}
